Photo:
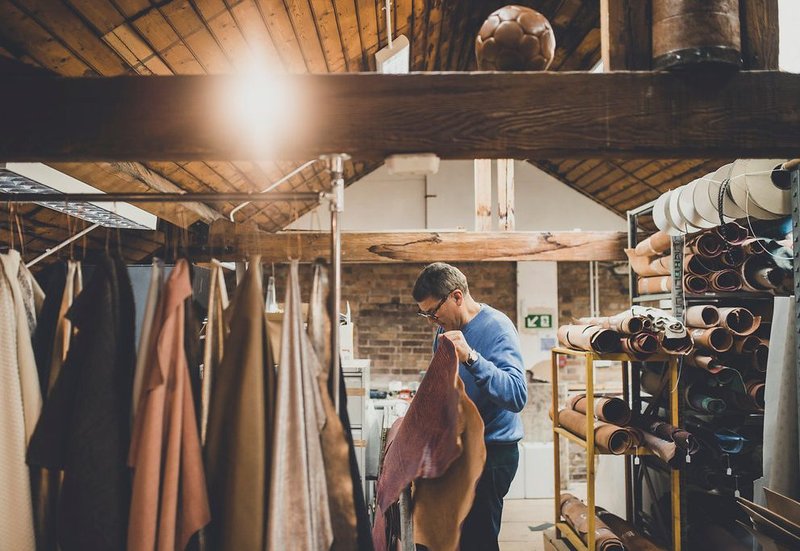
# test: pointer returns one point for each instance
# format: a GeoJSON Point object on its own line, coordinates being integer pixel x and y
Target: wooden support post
{"type": "Point", "coordinates": [759, 24]}
{"type": "Point", "coordinates": [625, 35]}
{"type": "Point", "coordinates": [483, 194]}
{"type": "Point", "coordinates": [505, 194]}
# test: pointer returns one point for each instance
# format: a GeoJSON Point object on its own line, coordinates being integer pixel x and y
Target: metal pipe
{"type": "Point", "coordinates": [61, 245]}
{"type": "Point", "coordinates": [272, 186]}
{"type": "Point", "coordinates": [155, 197]}
{"type": "Point", "coordinates": [337, 206]}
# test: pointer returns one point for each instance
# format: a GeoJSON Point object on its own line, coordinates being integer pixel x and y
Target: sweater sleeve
{"type": "Point", "coordinates": [500, 373]}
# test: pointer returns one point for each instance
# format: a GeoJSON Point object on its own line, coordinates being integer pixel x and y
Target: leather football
{"type": "Point", "coordinates": [515, 38]}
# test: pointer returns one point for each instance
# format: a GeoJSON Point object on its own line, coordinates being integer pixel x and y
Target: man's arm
{"type": "Point", "coordinates": [500, 373]}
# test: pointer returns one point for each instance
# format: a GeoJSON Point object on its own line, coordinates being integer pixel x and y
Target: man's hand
{"type": "Point", "coordinates": [458, 340]}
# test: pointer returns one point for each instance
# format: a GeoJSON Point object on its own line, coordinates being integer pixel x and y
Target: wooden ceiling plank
{"type": "Point", "coordinates": [256, 34]}
{"type": "Point", "coordinates": [402, 16]}
{"type": "Point", "coordinates": [368, 30]}
{"type": "Point", "coordinates": [209, 38]}
{"type": "Point", "coordinates": [305, 28]}
{"type": "Point", "coordinates": [446, 35]}
{"type": "Point", "coordinates": [417, 38]}
{"type": "Point", "coordinates": [371, 116]}
{"type": "Point", "coordinates": [21, 33]}
{"type": "Point", "coordinates": [599, 172]}
{"type": "Point", "coordinates": [156, 31]}
{"type": "Point", "coordinates": [100, 13]}
{"type": "Point", "coordinates": [626, 35]}
{"type": "Point", "coordinates": [612, 173]}
{"type": "Point", "coordinates": [576, 19]}
{"type": "Point", "coordinates": [347, 23]}
{"type": "Point", "coordinates": [382, 38]}
{"type": "Point", "coordinates": [640, 178]}
{"type": "Point", "coordinates": [759, 28]}
{"type": "Point", "coordinates": [433, 34]}
{"type": "Point", "coordinates": [132, 8]}
{"type": "Point", "coordinates": [453, 34]}
{"type": "Point", "coordinates": [586, 55]}
{"type": "Point", "coordinates": [280, 28]}
{"type": "Point", "coordinates": [576, 173]}
{"type": "Point", "coordinates": [132, 54]}
{"type": "Point", "coordinates": [324, 15]}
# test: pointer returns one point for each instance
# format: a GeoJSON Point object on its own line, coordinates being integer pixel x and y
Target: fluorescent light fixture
{"type": "Point", "coordinates": [40, 178]}
{"type": "Point", "coordinates": [394, 59]}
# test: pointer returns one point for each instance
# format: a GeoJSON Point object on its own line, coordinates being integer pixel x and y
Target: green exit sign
{"type": "Point", "coordinates": [539, 321]}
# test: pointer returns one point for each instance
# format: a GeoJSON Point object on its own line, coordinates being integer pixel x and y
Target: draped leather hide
{"type": "Point", "coordinates": [169, 501]}
{"type": "Point", "coordinates": [428, 442]}
{"type": "Point", "coordinates": [576, 514]}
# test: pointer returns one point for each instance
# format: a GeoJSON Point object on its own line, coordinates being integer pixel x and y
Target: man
{"type": "Point", "coordinates": [490, 364]}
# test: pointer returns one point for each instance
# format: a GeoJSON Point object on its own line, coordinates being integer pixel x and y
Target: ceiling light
{"type": "Point", "coordinates": [40, 178]}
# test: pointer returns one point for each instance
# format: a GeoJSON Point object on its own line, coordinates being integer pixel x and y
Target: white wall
{"type": "Point", "coordinates": [382, 202]}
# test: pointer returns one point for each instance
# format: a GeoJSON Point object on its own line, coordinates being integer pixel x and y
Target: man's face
{"type": "Point", "coordinates": [442, 311]}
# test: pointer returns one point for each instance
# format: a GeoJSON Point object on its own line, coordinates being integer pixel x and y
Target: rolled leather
{"type": "Point", "coordinates": [608, 409]}
{"type": "Point", "coordinates": [627, 533]}
{"type": "Point", "coordinates": [760, 357]}
{"type": "Point", "coordinates": [607, 438]}
{"type": "Point", "coordinates": [702, 360]}
{"type": "Point", "coordinates": [576, 514]}
{"type": "Point", "coordinates": [704, 403]}
{"type": "Point", "coordinates": [677, 345]}
{"type": "Point", "coordinates": [663, 449]}
{"type": "Point", "coordinates": [625, 323]}
{"type": "Point", "coordinates": [702, 316]}
{"type": "Point", "coordinates": [650, 382]}
{"type": "Point", "coordinates": [745, 345]}
{"type": "Point", "coordinates": [740, 321]}
{"type": "Point", "coordinates": [756, 390]}
{"type": "Point", "coordinates": [713, 338]}
{"type": "Point", "coordinates": [725, 281]}
{"type": "Point", "coordinates": [760, 274]}
{"type": "Point", "coordinates": [640, 346]}
{"type": "Point", "coordinates": [654, 285]}
{"type": "Point", "coordinates": [733, 257]}
{"type": "Point", "coordinates": [698, 265]}
{"type": "Point", "coordinates": [732, 233]}
{"type": "Point", "coordinates": [695, 284]}
{"type": "Point", "coordinates": [648, 266]}
{"type": "Point", "coordinates": [707, 244]}
{"type": "Point", "coordinates": [682, 438]}
{"type": "Point", "coordinates": [654, 245]}
{"type": "Point", "coordinates": [589, 337]}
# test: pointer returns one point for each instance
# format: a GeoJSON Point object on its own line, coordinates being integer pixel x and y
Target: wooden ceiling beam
{"type": "Point", "coordinates": [519, 115]}
{"type": "Point", "coordinates": [236, 241]}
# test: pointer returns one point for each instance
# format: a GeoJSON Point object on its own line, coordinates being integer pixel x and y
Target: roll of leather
{"type": "Point", "coordinates": [759, 274]}
{"type": "Point", "coordinates": [703, 316]}
{"type": "Point", "coordinates": [683, 439]}
{"type": "Point", "coordinates": [702, 360]}
{"type": "Point", "coordinates": [760, 357]}
{"type": "Point", "coordinates": [739, 321]}
{"type": "Point", "coordinates": [654, 285]}
{"type": "Point", "coordinates": [640, 346]}
{"type": "Point", "coordinates": [745, 345]}
{"type": "Point", "coordinates": [608, 438]}
{"type": "Point", "coordinates": [576, 514]}
{"type": "Point", "coordinates": [648, 266]}
{"type": "Point", "coordinates": [708, 244]}
{"type": "Point", "coordinates": [697, 265]}
{"type": "Point", "coordinates": [713, 338]}
{"type": "Point", "coordinates": [756, 389]}
{"type": "Point", "coordinates": [611, 410]}
{"type": "Point", "coordinates": [733, 257]}
{"type": "Point", "coordinates": [677, 346]}
{"type": "Point", "coordinates": [664, 450]}
{"type": "Point", "coordinates": [725, 281]}
{"type": "Point", "coordinates": [650, 382]}
{"type": "Point", "coordinates": [589, 337]}
{"type": "Point", "coordinates": [695, 284]}
{"type": "Point", "coordinates": [627, 533]}
{"type": "Point", "coordinates": [732, 233]}
{"type": "Point", "coordinates": [704, 403]}
{"type": "Point", "coordinates": [625, 323]}
{"type": "Point", "coordinates": [654, 245]}
{"type": "Point", "coordinates": [756, 246]}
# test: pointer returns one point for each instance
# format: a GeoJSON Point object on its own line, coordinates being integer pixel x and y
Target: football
{"type": "Point", "coordinates": [515, 38]}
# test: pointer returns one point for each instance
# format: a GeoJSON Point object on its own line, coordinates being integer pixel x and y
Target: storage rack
{"type": "Point", "coordinates": [564, 529]}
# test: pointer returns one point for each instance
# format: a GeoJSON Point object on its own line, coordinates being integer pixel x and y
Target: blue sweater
{"type": "Point", "coordinates": [496, 382]}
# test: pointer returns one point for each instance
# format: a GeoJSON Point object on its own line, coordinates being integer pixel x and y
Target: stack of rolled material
{"type": "Point", "coordinates": [650, 260]}
{"type": "Point", "coordinates": [608, 438]}
{"type": "Point", "coordinates": [735, 359]}
{"type": "Point", "coordinates": [640, 334]}
{"type": "Point", "coordinates": [627, 533]}
{"type": "Point", "coordinates": [576, 514]}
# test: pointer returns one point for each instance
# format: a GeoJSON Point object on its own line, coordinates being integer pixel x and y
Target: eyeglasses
{"type": "Point", "coordinates": [431, 314]}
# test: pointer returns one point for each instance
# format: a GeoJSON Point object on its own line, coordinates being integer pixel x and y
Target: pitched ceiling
{"type": "Point", "coordinates": [115, 37]}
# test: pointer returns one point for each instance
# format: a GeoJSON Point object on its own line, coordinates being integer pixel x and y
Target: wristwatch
{"type": "Point", "coordinates": [472, 357]}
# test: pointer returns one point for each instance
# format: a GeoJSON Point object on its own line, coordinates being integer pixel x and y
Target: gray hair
{"type": "Point", "coordinates": [437, 280]}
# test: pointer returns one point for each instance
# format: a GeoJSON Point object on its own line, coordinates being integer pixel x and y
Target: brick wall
{"type": "Point", "coordinates": [387, 328]}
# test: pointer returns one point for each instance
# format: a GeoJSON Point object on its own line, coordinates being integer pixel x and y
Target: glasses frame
{"type": "Point", "coordinates": [431, 314]}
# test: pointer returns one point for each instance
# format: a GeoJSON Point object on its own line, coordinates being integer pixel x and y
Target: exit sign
{"type": "Point", "coordinates": [539, 321]}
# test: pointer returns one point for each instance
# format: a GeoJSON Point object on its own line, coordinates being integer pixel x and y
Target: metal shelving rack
{"type": "Point", "coordinates": [564, 529]}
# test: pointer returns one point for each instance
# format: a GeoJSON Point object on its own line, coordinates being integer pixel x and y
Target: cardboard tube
{"type": "Point", "coordinates": [713, 338]}
{"type": "Point", "coordinates": [575, 512]}
{"type": "Point", "coordinates": [589, 337]}
{"type": "Point", "coordinates": [740, 321]}
{"type": "Point", "coordinates": [702, 316]}
{"type": "Point", "coordinates": [625, 323]}
{"type": "Point", "coordinates": [656, 244]}
{"type": "Point", "coordinates": [725, 281]}
{"type": "Point", "coordinates": [695, 284]}
{"type": "Point", "coordinates": [608, 438]}
{"type": "Point", "coordinates": [611, 410]}
{"type": "Point", "coordinates": [654, 285]}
